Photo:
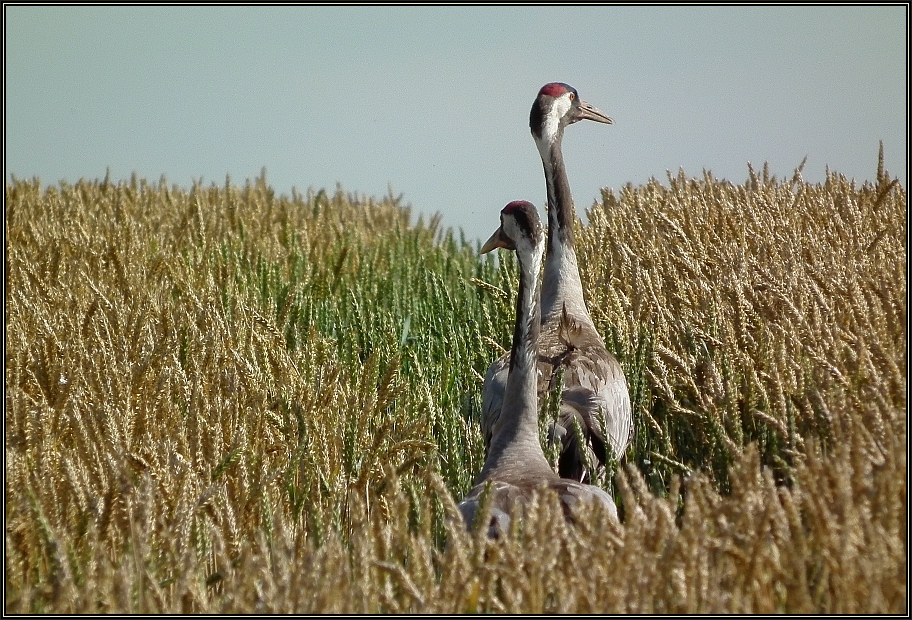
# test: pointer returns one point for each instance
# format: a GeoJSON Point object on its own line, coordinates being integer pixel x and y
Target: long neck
{"type": "Point", "coordinates": [561, 283]}
{"type": "Point", "coordinates": [515, 445]}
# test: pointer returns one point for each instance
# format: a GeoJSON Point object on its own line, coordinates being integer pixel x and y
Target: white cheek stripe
{"type": "Point", "coordinates": [552, 126]}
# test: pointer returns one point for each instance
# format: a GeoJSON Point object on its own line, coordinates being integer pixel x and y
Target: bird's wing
{"type": "Point", "coordinates": [594, 389]}
{"type": "Point", "coordinates": [594, 394]}
{"type": "Point", "coordinates": [506, 501]}
{"type": "Point", "coordinates": [572, 495]}
{"type": "Point", "coordinates": [502, 498]}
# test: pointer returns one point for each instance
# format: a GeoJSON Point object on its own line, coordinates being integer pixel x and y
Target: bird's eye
{"type": "Point", "coordinates": [572, 96]}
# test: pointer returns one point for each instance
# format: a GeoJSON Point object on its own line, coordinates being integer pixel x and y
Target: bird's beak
{"type": "Point", "coordinates": [497, 240]}
{"type": "Point", "coordinates": [589, 112]}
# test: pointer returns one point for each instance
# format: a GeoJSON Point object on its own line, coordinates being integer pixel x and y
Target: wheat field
{"type": "Point", "coordinates": [223, 400]}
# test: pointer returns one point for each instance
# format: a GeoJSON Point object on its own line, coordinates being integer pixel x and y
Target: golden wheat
{"type": "Point", "coordinates": [220, 400]}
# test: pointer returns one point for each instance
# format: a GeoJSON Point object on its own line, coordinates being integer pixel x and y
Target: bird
{"type": "Point", "coordinates": [594, 412]}
{"type": "Point", "coordinates": [515, 466]}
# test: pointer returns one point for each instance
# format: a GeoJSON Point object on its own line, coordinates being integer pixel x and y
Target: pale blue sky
{"type": "Point", "coordinates": [434, 101]}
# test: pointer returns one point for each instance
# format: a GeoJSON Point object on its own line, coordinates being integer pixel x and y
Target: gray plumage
{"type": "Point", "coordinates": [515, 467]}
{"type": "Point", "coordinates": [594, 397]}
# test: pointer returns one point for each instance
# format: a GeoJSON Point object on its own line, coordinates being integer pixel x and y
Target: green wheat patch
{"type": "Point", "coordinates": [224, 400]}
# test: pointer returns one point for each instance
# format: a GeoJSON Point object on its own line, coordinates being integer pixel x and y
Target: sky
{"type": "Point", "coordinates": [433, 102]}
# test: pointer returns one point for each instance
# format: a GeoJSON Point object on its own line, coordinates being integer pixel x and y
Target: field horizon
{"type": "Point", "coordinates": [224, 400]}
